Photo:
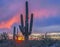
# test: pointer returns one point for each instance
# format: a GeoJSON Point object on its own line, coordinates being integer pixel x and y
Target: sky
{"type": "Point", "coordinates": [46, 14]}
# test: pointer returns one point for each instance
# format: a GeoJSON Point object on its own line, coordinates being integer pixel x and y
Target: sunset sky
{"type": "Point", "coordinates": [46, 14]}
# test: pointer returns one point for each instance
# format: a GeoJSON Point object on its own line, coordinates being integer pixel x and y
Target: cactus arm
{"type": "Point", "coordinates": [31, 24]}
{"type": "Point", "coordinates": [22, 23]}
{"type": "Point", "coordinates": [21, 29]}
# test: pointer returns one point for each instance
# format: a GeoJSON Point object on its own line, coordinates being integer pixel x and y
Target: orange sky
{"type": "Point", "coordinates": [10, 22]}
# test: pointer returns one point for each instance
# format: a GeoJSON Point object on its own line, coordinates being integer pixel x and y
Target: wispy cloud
{"type": "Point", "coordinates": [10, 22]}
{"type": "Point", "coordinates": [52, 28]}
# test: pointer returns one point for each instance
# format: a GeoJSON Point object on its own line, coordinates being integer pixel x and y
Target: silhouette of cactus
{"type": "Point", "coordinates": [17, 34]}
{"type": "Point", "coordinates": [26, 30]}
{"type": "Point", "coordinates": [14, 31]}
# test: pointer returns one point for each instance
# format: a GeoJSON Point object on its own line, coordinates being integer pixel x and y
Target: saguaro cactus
{"type": "Point", "coordinates": [14, 31]}
{"type": "Point", "coordinates": [17, 34]}
{"type": "Point", "coordinates": [26, 30]}
{"type": "Point", "coordinates": [14, 36]}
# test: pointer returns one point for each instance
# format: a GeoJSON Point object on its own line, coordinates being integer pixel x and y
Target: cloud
{"type": "Point", "coordinates": [9, 8]}
{"type": "Point", "coordinates": [54, 20]}
{"type": "Point", "coordinates": [45, 12]}
{"type": "Point", "coordinates": [10, 22]}
{"type": "Point", "coordinates": [52, 28]}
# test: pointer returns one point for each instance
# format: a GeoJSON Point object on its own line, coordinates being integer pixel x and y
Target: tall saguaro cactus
{"type": "Point", "coordinates": [27, 29]}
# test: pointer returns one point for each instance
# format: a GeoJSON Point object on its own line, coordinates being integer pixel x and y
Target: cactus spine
{"type": "Point", "coordinates": [26, 30]}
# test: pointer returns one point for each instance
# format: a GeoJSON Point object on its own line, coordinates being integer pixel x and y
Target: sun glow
{"type": "Point", "coordinates": [20, 38]}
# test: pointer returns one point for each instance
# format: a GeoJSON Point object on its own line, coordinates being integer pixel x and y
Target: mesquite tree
{"type": "Point", "coordinates": [27, 28]}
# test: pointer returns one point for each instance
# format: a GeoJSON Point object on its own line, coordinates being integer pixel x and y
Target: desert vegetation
{"type": "Point", "coordinates": [46, 42]}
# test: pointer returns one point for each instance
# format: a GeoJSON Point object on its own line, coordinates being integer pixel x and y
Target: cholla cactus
{"type": "Point", "coordinates": [26, 30]}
